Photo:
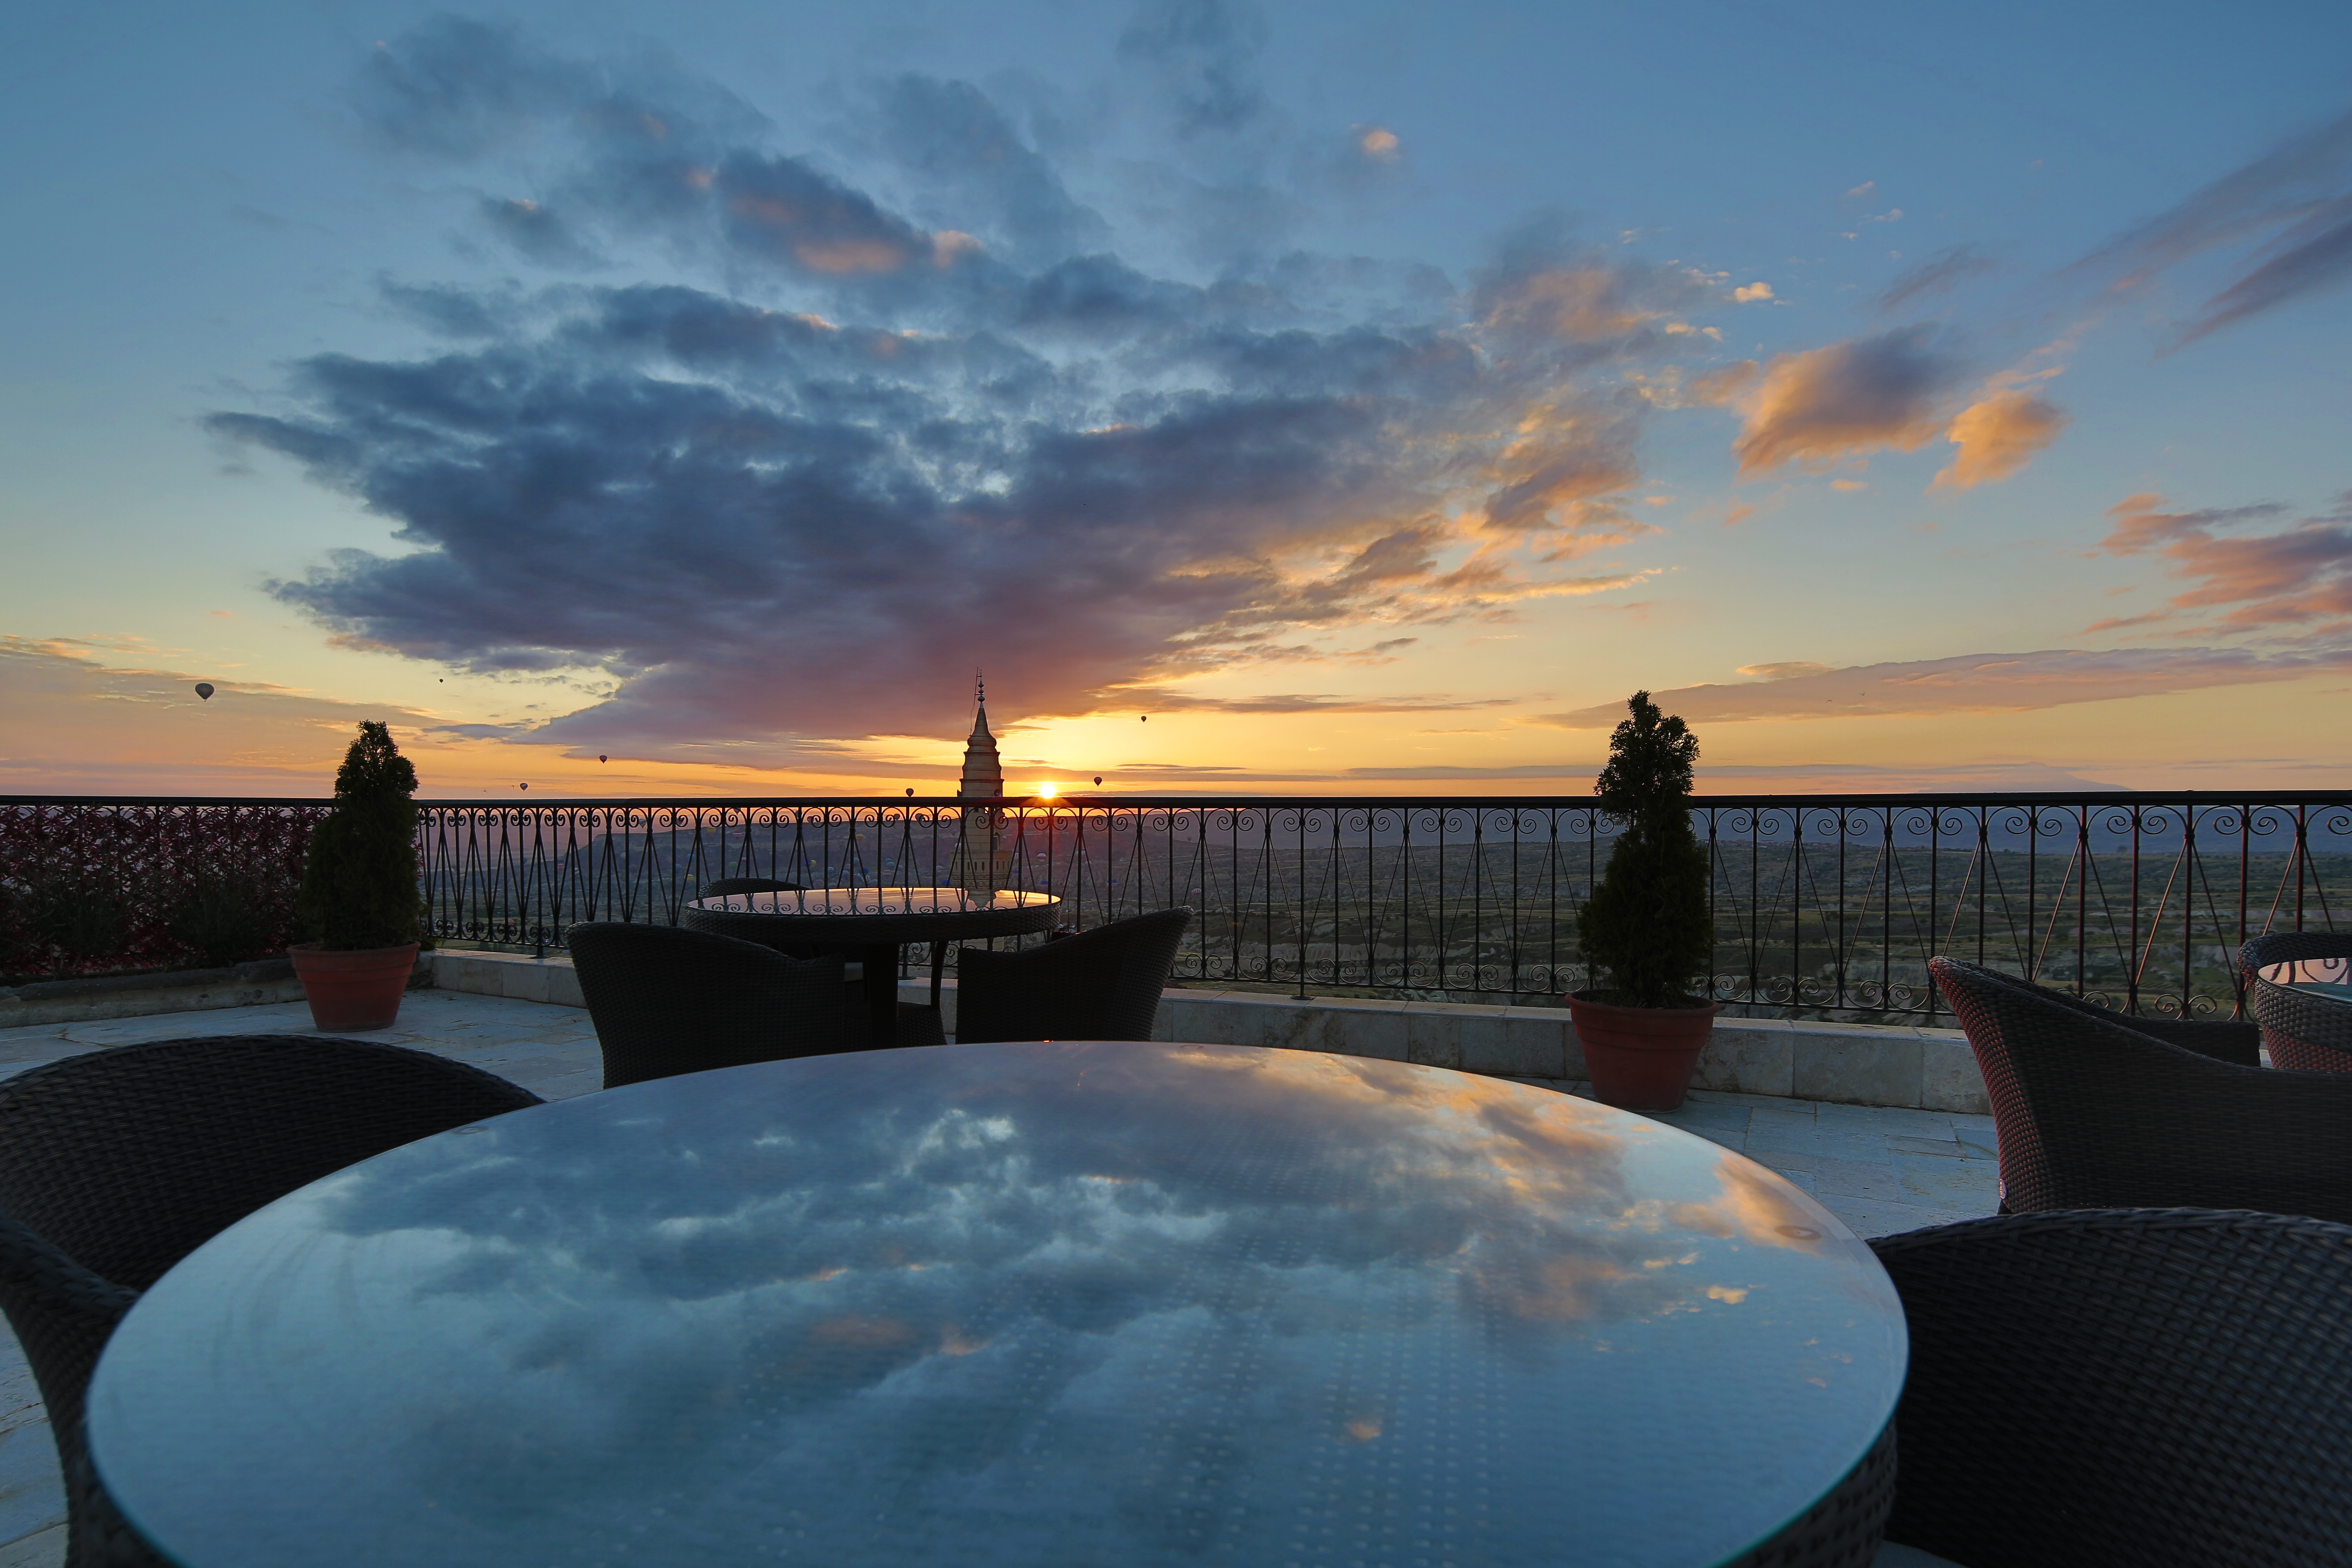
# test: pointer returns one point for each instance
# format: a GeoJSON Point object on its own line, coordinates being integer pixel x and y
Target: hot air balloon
{"type": "Point", "coordinates": [205, 690]}
{"type": "Point", "coordinates": [1099, 780]}
{"type": "Point", "coordinates": [911, 792]}
{"type": "Point", "coordinates": [600, 756]}
{"type": "Point", "coordinates": [522, 787]}
{"type": "Point", "coordinates": [1145, 718]}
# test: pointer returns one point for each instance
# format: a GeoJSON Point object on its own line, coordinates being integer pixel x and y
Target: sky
{"type": "Point", "coordinates": [1307, 399]}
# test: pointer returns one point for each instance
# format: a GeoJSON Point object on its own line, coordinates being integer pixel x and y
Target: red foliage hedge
{"type": "Point", "coordinates": [90, 889]}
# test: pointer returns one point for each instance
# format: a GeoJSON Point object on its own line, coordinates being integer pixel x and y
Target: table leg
{"type": "Point", "coordinates": [881, 994]}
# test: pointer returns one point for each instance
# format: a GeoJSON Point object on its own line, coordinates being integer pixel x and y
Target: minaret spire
{"type": "Point", "coordinates": [984, 773]}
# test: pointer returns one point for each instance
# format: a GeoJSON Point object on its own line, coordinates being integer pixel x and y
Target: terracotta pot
{"type": "Point", "coordinates": [356, 991]}
{"type": "Point", "coordinates": [1640, 1059]}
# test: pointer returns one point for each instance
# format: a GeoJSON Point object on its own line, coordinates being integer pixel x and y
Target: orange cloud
{"type": "Point", "coordinates": [848, 255]}
{"type": "Point", "coordinates": [77, 726]}
{"type": "Point", "coordinates": [951, 245]}
{"type": "Point", "coordinates": [1999, 435]}
{"type": "Point", "coordinates": [1580, 303]}
{"type": "Point", "coordinates": [2297, 576]}
{"type": "Point", "coordinates": [1726, 386]}
{"type": "Point", "coordinates": [1971, 683]}
{"type": "Point", "coordinates": [1862, 395]}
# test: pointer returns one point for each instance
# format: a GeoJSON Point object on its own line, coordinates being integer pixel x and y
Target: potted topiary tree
{"type": "Point", "coordinates": [1646, 931]}
{"type": "Point", "coordinates": [359, 903]}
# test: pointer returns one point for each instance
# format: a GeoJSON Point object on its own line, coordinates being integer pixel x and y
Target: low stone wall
{"type": "Point", "coordinates": [254, 984]}
{"type": "Point", "coordinates": [1854, 1063]}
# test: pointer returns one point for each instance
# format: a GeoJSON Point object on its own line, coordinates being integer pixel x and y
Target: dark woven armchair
{"type": "Point", "coordinates": [667, 1001]}
{"type": "Point", "coordinates": [2304, 1033]}
{"type": "Point", "coordinates": [2094, 1111]}
{"type": "Point", "coordinates": [2223, 1039]}
{"type": "Point", "coordinates": [2158, 1388]}
{"type": "Point", "coordinates": [117, 1164]}
{"type": "Point", "coordinates": [1100, 984]}
{"type": "Point", "coordinates": [917, 1025]}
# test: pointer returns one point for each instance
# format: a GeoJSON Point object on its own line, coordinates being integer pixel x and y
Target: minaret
{"type": "Point", "coordinates": [983, 774]}
{"type": "Point", "coordinates": [979, 863]}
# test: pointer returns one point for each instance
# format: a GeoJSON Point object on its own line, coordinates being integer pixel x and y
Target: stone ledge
{"type": "Point", "coordinates": [1848, 1064]}
{"type": "Point", "coordinates": [255, 985]}
{"type": "Point", "coordinates": [264, 983]}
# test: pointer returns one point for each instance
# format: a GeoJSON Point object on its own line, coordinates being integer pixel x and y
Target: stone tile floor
{"type": "Point", "coordinates": [1880, 1171]}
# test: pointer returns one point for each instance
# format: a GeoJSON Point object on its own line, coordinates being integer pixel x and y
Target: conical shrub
{"type": "Point", "coordinates": [359, 884]}
{"type": "Point", "coordinates": [1644, 932]}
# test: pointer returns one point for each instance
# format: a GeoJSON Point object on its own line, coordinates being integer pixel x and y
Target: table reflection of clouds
{"type": "Point", "coordinates": [1062, 1303]}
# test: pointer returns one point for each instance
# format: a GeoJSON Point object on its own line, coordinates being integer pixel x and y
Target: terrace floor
{"type": "Point", "coordinates": [1879, 1169]}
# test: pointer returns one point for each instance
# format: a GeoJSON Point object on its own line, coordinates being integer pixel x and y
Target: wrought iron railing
{"type": "Point", "coordinates": [1823, 904]}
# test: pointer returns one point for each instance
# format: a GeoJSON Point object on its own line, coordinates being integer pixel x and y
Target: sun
{"type": "Point", "coordinates": [1045, 791]}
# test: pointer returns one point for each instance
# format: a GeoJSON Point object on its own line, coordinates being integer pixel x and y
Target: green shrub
{"type": "Point", "coordinates": [359, 884]}
{"type": "Point", "coordinates": [1646, 927]}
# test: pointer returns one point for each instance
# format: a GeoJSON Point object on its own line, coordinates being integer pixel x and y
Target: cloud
{"type": "Point", "coordinates": [2299, 576]}
{"type": "Point", "coordinates": [969, 169]}
{"type": "Point", "coordinates": [2293, 204]}
{"type": "Point", "coordinates": [1970, 683]}
{"type": "Point", "coordinates": [536, 233]}
{"type": "Point", "coordinates": [450, 311]}
{"type": "Point", "coordinates": [1820, 407]}
{"type": "Point", "coordinates": [1202, 55]}
{"type": "Point", "coordinates": [2317, 254]}
{"type": "Point", "coordinates": [883, 439]}
{"type": "Point", "coordinates": [1748, 293]}
{"type": "Point", "coordinates": [1544, 295]}
{"type": "Point", "coordinates": [1999, 435]}
{"type": "Point", "coordinates": [1306, 702]}
{"type": "Point", "coordinates": [76, 725]}
{"type": "Point", "coordinates": [1940, 273]}
{"type": "Point", "coordinates": [1866, 395]}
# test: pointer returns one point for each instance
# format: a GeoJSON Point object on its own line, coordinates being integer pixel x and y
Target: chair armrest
{"type": "Point", "coordinates": [32, 1266]}
{"type": "Point", "coordinates": [2222, 1039]}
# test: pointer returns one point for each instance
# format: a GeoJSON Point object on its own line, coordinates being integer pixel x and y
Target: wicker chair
{"type": "Point", "coordinates": [667, 1001]}
{"type": "Point", "coordinates": [2223, 1039]}
{"type": "Point", "coordinates": [1845, 1528]}
{"type": "Point", "coordinates": [117, 1164]}
{"type": "Point", "coordinates": [1101, 984]}
{"type": "Point", "coordinates": [2095, 1112]}
{"type": "Point", "coordinates": [917, 1026]}
{"type": "Point", "coordinates": [2162, 1388]}
{"type": "Point", "coordinates": [2304, 1033]}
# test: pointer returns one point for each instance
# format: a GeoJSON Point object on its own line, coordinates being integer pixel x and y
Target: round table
{"type": "Point", "coordinates": [1075, 1304]}
{"type": "Point", "coordinates": [874, 923]}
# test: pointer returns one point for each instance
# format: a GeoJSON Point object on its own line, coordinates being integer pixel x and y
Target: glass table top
{"type": "Point", "coordinates": [1080, 1303]}
{"type": "Point", "coordinates": [875, 901]}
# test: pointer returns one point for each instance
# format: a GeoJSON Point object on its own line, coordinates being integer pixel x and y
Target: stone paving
{"type": "Point", "coordinates": [1878, 1169]}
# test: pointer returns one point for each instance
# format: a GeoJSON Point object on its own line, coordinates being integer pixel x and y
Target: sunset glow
{"type": "Point", "coordinates": [1302, 399]}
